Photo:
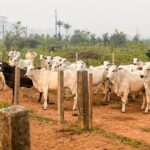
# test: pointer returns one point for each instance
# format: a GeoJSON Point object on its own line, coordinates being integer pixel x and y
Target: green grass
{"type": "Point", "coordinates": [122, 139]}
{"type": "Point", "coordinates": [145, 129]}
{"type": "Point", "coordinates": [127, 54]}
{"type": "Point", "coordinates": [39, 118]}
{"type": "Point", "coordinates": [4, 105]}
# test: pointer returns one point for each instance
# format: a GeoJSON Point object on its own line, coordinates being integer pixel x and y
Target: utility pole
{"type": "Point", "coordinates": [26, 31]}
{"type": "Point", "coordinates": [3, 22]}
{"type": "Point", "coordinates": [56, 23]}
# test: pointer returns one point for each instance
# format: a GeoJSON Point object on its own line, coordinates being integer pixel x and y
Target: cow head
{"type": "Point", "coordinates": [30, 71]}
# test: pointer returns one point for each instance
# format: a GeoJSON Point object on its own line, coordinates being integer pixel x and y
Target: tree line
{"type": "Point", "coordinates": [17, 38]}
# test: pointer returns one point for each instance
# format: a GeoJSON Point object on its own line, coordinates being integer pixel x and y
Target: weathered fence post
{"type": "Point", "coordinates": [60, 96]}
{"type": "Point", "coordinates": [77, 56]}
{"type": "Point", "coordinates": [90, 99]}
{"type": "Point", "coordinates": [84, 103]}
{"type": "Point", "coordinates": [14, 128]}
{"type": "Point", "coordinates": [17, 85]}
{"type": "Point", "coordinates": [113, 57]}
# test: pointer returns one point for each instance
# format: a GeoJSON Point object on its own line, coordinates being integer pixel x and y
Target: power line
{"type": "Point", "coordinates": [3, 20]}
{"type": "Point", "coordinates": [56, 23]}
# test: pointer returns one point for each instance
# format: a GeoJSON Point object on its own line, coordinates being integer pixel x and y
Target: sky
{"type": "Point", "coordinates": [97, 16]}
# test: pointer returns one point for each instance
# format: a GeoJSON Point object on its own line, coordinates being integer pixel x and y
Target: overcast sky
{"type": "Point", "coordinates": [98, 16]}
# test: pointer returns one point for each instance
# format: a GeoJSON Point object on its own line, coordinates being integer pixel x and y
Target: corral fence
{"type": "Point", "coordinates": [14, 120]}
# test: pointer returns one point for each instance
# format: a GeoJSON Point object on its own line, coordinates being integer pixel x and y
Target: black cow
{"type": "Point", "coordinates": [9, 74]}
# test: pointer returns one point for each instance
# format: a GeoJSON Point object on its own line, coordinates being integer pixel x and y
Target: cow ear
{"type": "Point", "coordinates": [140, 68]}
{"type": "Point", "coordinates": [120, 68]}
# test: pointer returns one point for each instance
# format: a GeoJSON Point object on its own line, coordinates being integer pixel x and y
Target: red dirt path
{"type": "Point", "coordinates": [133, 124]}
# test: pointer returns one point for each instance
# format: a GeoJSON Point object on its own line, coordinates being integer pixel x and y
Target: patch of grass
{"type": "Point", "coordinates": [4, 105]}
{"type": "Point", "coordinates": [98, 102]}
{"type": "Point", "coordinates": [39, 118]}
{"type": "Point", "coordinates": [145, 129]}
{"type": "Point", "coordinates": [73, 128]}
{"type": "Point", "coordinates": [122, 139]}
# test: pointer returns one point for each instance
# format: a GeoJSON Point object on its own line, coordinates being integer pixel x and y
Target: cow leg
{"type": "Point", "coordinates": [147, 105]}
{"type": "Point", "coordinates": [13, 91]}
{"type": "Point", "coordinates": [97, 88]}
{"type": "Point", "coordinates": [45, 93]}
{"type": "Point", "coordinates": [133, 96]}
{"type": "Point", "coordinates": [48, 99]}
{"type": "Point", "coordinates": [74, 91]}
{"type": "Point", "coordinates": [107, 92]}
{"type": "Point", "coordinates": [4, 83]}
{"type": "Point", "coordinates": [40, 97]}
{"type": "Point", "coordinates": [144, 101]}
{"type": "Point", "coordinates": [124, 100]}
{"type": "Point", "coordinates": [75, 103]}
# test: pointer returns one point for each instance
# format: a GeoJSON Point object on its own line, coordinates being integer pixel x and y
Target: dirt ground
{"type": "Point", "coordinates": [133, 124]}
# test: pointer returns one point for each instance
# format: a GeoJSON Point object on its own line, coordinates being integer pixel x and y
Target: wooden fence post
{"type": "Point", "coordinates": [83, 100]}
{"type": "Point", "coordinates": [60, 96]}
{"type": "Point", "coordinates": [113, 58]}
{"type": "Point", "coordinates": [90, 98]}
{"type": "Point", "coordinates": [17, 85]}
{"type": "Point", "coordinates": [77, 56]}
{"type": "Point", "coordinates": [14, 128]}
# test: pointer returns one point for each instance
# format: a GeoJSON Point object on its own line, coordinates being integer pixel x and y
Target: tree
{"type": "Point", "coordinates": [8, 40]}
{"type": "Point", "coordinates": [80, 37]}
{"type": "Point", "coordinates": [59, 23]}
{"type": "Point", "coordinates": [66, 27]}
{"type": "Point", "coordinates": [118, 38]}
{"type": "Point", "coordinates": [105, 39]}
{"type": "Point", "coordinates": [136, 38]}
{"type": "Point", "coordinates": [93, 38]}
{"type": "Point", "coordinates": [19, 35]}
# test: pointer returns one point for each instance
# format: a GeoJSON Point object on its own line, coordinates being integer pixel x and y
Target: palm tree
{"type": "Point", "coordinates": [59, 23]}
{"type": "Point", "coordinates": [105, 39]}
{"type": "Point", "coordinates": [66, 27]}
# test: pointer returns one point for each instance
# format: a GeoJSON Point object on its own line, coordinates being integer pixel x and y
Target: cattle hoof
{"type": "Point", "coordinates": [123, 111]}
{"type": "Point", "coordinates": [44, 108]}
{"type": "Point", "coordinates": [74, 108]}
{"type": "Point", "coordinates": [145, 112]}
{"type": "Point", "coordinates": [75, 114]}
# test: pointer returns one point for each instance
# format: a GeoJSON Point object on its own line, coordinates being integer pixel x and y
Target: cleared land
{"type": "Point", "coordinates": [112, 129]}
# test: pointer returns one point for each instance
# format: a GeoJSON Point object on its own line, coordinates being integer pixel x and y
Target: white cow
{"type": "Point", "coordinates": [13, 54]}
{"type": "Point", "coordinates": [125, 82]}
{"type": "Point", "coordinates": [45, 62]}
{"type": "Point", "coordinates": [30, 55]}
{"type": "Point", "coordinates": [140, 63]}
{"type": "Point", "coordinates": [130, 67]}
{"type": "Point", "coordinates": [99, 79]}
{"type": "Point", "coordinates": [146, 76]}
{"type": "Point", "coordinates": [106, 63]}
{"type": "Point", "coordinates": [78, 65]}
{"type": "Point", "coordinates": [43, 80]}
{"type": "Point", "coordinates": [2, 78]}
{"type": "Point", "coordinates": [48, 61]}
{"type": "Point", "coordinates": [21, 63]}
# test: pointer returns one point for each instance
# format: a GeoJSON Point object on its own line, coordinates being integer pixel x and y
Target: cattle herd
{"type": "Point", "coordinates": [119, 79]}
